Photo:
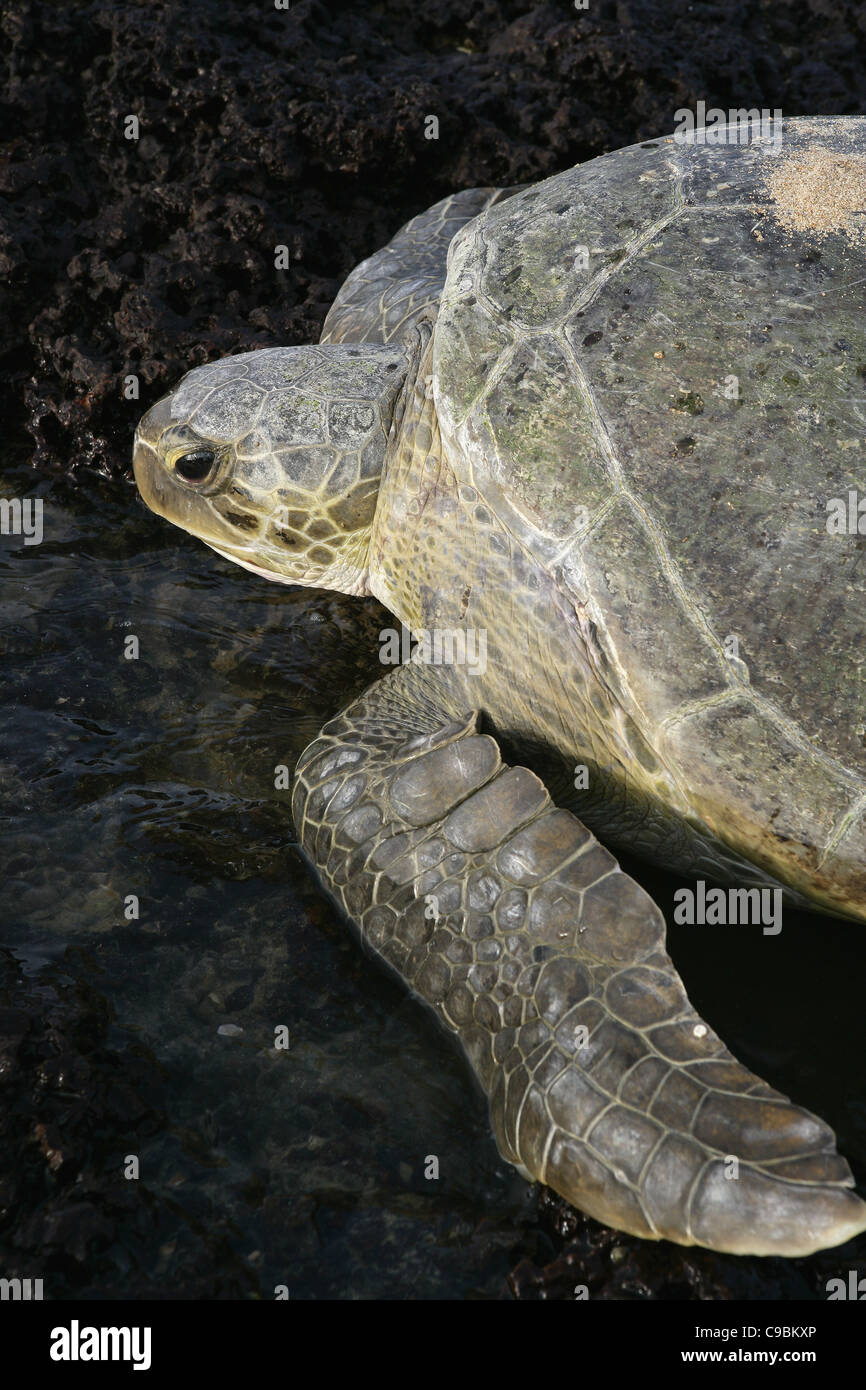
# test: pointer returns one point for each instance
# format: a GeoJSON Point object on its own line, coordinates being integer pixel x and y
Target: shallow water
{"type": "Point", "coordinates": [154, 777]}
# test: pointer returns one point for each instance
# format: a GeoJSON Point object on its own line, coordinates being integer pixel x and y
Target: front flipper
{"type": "Point", "coordinates": [507, 916]}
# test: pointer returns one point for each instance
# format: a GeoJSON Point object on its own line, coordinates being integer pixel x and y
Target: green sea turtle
{"type": "Point", "coordinates": [582, 438]}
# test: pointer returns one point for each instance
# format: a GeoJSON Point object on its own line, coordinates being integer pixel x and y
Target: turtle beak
{"type": "Point", "coordinates": [147, 464]}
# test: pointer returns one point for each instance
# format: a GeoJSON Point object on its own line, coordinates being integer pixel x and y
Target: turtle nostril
{"type": "Point", "coordinates": [195, 466]}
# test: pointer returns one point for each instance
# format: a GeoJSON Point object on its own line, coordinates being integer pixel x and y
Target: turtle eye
{"type": "Point", "coordinates": [195, 466]}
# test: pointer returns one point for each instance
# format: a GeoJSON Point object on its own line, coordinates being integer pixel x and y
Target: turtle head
{"type": "Point", "coordinates": [274, 458]}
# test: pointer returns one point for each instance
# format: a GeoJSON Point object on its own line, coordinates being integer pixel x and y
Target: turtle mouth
{"type": "Point", "coordinates": [345, 578]}
{"type": "Point", "coordinates": [147, 465]}
{"type": "Point", "coordinates": [149, 475]}
{"type": "Point", "coordinates": [240, 557]}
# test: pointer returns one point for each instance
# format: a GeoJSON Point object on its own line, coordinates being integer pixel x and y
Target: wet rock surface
{"type": "Point", "coordinates": [302, 128]}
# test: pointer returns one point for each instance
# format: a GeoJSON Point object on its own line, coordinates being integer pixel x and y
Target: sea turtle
{"type": "Point", "coordinates": [581, 439]}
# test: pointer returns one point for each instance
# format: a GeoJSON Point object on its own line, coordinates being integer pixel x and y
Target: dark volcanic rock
{"type": "Point", "coordinates": [303, 127]}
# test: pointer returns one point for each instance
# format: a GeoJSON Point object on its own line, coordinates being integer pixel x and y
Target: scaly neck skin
{"type": "Point", "coordinates": [412, 479]}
